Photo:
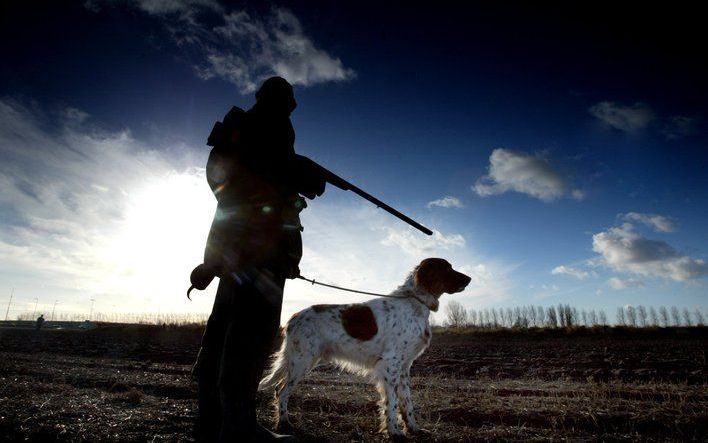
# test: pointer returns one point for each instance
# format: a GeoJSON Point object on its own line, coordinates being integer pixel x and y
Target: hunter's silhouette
{"type": "Point", "coordinates": [40, 321]}
{"type": "Point", "coordinates": [254, 245]}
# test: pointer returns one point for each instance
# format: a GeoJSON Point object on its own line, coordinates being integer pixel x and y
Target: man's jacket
{"type": "Point", "coordinates": [257, 180]}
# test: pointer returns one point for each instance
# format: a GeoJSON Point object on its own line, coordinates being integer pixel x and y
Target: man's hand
{"type": "Point", "coordinates": [310, 180]}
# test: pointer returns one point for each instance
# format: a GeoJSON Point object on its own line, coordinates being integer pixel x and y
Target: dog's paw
{"type": "Point", "coordinates": [420, 434]}
{"type": "Point", "coordinates": [419, 431]}
{"type": "Point", "coordinates": [397, 437]}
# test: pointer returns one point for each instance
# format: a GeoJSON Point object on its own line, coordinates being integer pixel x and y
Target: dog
{"type": "Point", "coordinates": [379, 339]}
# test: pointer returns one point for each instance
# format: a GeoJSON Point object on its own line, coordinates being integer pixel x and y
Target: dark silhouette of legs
{"type": "Point", "coordinates": [235, 348]}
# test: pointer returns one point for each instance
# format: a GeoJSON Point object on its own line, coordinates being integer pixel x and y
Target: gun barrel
{"type": "Point", "coordinates": [389, 209]}
{"type": "Point", "coordinates": [339, 182]}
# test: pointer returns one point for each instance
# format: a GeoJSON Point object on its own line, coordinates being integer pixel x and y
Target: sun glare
{"type": "Point", "coordinates": [162, 237]}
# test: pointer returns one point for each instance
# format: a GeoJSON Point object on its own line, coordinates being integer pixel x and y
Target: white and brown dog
{"type": "Point", "coordinates": [380, 339]}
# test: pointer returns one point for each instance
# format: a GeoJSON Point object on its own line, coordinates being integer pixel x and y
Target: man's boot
{"type": "Point", "coordinates": [239, 424]}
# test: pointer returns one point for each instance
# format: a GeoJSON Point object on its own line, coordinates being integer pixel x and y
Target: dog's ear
{"type": "Point", "coordinates": [430, 276]}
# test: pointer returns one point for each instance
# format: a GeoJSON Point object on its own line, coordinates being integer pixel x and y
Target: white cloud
{"type": "Point", "coordinates": [623, 250]}
{"type": "Point", "coordinates": [525, 173]}
{"type": "Point", "coordinates": [628, 118]}
{"type": "Point", "coordinates": [659, 223]}
{"type": "Point", "coordinates": [624, 283]}
{"type": "Point", "coordinates": [276, 44]}
{"type": "Point", "coordinates": [244, 48]}
{"type": "Point", "coordinates": [573, 272]}
{"type": "Point", "coordinates": [446, 202]}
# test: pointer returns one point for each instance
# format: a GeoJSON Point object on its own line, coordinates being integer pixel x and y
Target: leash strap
{"type": "Point", "coordinates": [314, 282]}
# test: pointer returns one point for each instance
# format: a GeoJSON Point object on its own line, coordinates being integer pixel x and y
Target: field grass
{"type": "Point", "coordinates": [132, 383]}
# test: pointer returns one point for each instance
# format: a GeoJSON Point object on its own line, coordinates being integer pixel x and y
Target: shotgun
{"type": "Point", "coordinates": [335, 180]}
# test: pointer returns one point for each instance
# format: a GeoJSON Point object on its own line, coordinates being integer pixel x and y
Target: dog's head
{"type": "Point", "coordinates": [436, 277]}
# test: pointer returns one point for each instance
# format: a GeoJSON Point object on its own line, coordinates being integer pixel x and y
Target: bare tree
{"type": "Point", "coordinates": [632, 316]}
{"type": "Point", "coordinates": [531, 315]}
{"type": "Point", "coordinates": [602, 317]}
{"type": "Point", "coordinates": [455, 314]}
{"type": "Point", "coordinates": [509, 317]}
{"type": "Point", "coordinates": [472, 315]}
{"type": "Point", "coordinates": [567, 315]}
{"type": "Point", "coordinates": [561, 316]}
{"type": "Point", "coordinates": [675, 316]}
{"type": "Point", "coordinates": [664, 315]}
{"type": "Point", "coordinates": [687, 317]}
{"type": "Point", "coordinates": [551, 317]}
{"type": "Point", "coordinates": [620, 317]}
{"type": "Point", "coordinates": [700, 320]}
{"type": "Point", "coordinates": [541, 316]}
{"type": "Point", "coordinates": [584, 317]}
{"type": "Point", "coordinates": [653, 316]}
{"type": "Point", "coordinates": [642, 314]}
{"type": "Point", "coordinates": [495, 318]}
{"type": "Point", "coordinates": [592, 317]}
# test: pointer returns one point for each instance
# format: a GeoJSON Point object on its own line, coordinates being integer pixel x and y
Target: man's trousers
{"type": "Point", "coordinates": [237, 342]}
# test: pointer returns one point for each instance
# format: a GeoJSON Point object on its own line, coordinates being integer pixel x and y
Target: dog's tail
{"type": "Point", "coordinates": [278, 372]}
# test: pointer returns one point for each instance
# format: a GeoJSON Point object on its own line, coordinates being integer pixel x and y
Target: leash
{"type": "Point", "coordinates": [356, 291]}
{"type": "Point", "coordinates": [315, 282]}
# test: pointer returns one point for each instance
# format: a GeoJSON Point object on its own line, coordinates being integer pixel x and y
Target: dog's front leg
{"type": "Point", "coordinates": [388, 378]}
{"type": "Point", "coordinates": [405, 403]}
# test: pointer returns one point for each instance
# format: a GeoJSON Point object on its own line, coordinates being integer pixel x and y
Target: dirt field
{"type": "Point", "coordinates": [131, 383]}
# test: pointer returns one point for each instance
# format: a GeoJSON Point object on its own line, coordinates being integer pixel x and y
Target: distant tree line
{"type": "Point", "coordinates": [565, 316]}
{"type": "Point", "coordinates": [122, 317]}
{"type": "Point", "coordinates": [639, 316]}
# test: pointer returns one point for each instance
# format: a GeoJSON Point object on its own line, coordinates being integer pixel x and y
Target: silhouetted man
{"type": "Point", "coordinates": [254, 245]}
{"type": "Point", "coordinates": [39, 323]}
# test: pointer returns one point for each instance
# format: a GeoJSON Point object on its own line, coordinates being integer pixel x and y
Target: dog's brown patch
{"type": "Point", "coordinates": [322, 308]}
{"type": "Point", "coordinates": [359, 322]}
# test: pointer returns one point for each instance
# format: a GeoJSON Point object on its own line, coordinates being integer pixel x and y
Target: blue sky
{"type": "Point", "coordinates": [558, 153]}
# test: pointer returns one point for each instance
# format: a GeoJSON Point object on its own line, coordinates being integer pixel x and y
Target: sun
{"type": "Point", "coordinates": [162, 237]}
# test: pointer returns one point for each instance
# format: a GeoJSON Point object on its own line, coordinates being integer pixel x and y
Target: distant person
{"type": "Point", "coordinates": [254, 245]}
{"type": "Point", "coordinates": [38, 324]}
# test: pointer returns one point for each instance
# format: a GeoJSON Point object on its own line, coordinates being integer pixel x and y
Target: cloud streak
{"type": "Point", "coordinates": [573, 272]}
{"type": "Point", "coordinates": [619, 284]}
{"type": "Point", "coordinates": [446, 202]}
{"type": "Point", "coordinates": [678, 127]}
{"type": "Point", "coordinates": [659, 223]}
{"type": "Point", "coordinates": [627, 118]}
